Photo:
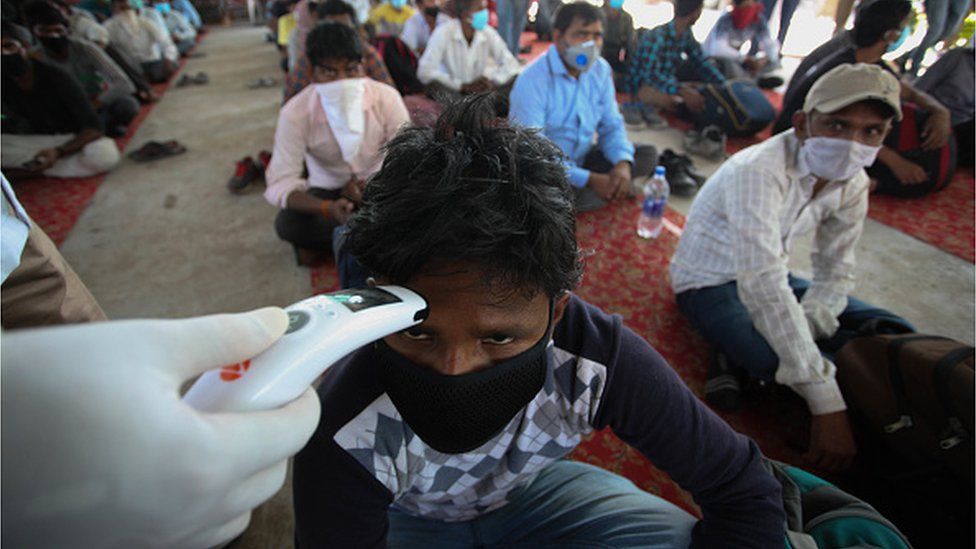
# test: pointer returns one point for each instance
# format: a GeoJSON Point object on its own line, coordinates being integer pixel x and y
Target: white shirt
{"type": "Point", "coordinates": [14, 232]}
{"type": "Point", "coordinates": [450, 60]}
{"type": "Point", "coordinates": [741, 227]}
{"type": "Point", "coordinates": [416, 33]}
{"type": "Point", "coordinates": [140, 38]}
{"type": "Point", "coordinates": [83, 25]}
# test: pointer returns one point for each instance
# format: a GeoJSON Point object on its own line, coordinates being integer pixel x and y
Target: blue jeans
{"type": "Point", "coordinates": [719, 316]}
{"type": "Point", "coordinates": [569, 505]}
{"type": "Point", "coordinates": [512, 15]}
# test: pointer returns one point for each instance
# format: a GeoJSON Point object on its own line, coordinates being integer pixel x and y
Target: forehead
{"type": "Point", "coordinates": [462, 292]}
{"type": "Point", "coordinates": [577, 25]}
{"type": "Point", "coordinates": [339, 62]}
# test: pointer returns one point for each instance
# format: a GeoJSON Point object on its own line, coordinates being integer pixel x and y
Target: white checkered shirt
{"type": "Point", "coordinates": [741, 227]}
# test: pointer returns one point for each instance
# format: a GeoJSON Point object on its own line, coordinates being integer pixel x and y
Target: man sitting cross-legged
{"type": "Point", "coordinates": [730, 271]}
{"type": "Point", "coordinates": [570, 102]}
{"type": "Point", "coordinates": [108, 88]}
{"type": "Point", "coordinates": [466, 56]}
{"type": "Point", "coordinates": [336, 127]}
{"type": "Point", "coordinates": [49, 126]}
{"type": "Point", "coordinates": [452, 433]}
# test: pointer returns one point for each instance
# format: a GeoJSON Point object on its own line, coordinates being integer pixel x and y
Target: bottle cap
{"type": "Point", "coordinates": [659, 171]}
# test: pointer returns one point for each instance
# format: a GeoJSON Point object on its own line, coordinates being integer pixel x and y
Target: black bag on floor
{"type": "Point", "coordinates": [401, 62]}
{"type": "Point", "coordinates": [911, 399]}
{"type": "Point", "coordinates": [905, 138]}
{"type": "Point", "coordinates": [739, 107]}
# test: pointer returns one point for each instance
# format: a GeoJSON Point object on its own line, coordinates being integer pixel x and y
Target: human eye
{"type": "Point", "coordinates": [413, 334]}
{"type": "Point", "coordinates": [498, 339]}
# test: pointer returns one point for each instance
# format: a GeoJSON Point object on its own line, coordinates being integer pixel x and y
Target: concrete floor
{"type": "Point", "coordinates": [166, 239]}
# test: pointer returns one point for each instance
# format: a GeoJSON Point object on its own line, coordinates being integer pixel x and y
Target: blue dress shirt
{"type": "Point", "coordinates": [569, 111]}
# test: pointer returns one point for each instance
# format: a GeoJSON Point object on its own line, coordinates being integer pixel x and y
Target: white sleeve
{"type": "Point", "coordinates": [506, 65]}
{"type": "Point", "coordinates": [430, 68]}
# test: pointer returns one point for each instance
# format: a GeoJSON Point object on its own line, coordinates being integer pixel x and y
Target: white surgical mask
{"type": "Point", "coordinates": [342, 102]}
{"type": "Point", "coordinates": [837, 159]}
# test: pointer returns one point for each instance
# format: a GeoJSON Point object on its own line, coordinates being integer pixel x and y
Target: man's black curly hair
{"type": "Point", "coordinates": [875, 18]}
{"type": "Point", "coordinates": [471, 189]}
{"type": "Point", "coordinates": [331, 40]}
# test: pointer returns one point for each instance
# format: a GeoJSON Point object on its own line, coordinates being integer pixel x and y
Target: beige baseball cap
{"type": "Point", "coordinates": [849, 83]}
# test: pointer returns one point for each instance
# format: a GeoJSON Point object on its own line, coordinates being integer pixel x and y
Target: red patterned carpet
{"type": "Point", "coordinates": [944, 219]}
{"type": "Point", "coordinates": [56, 204]}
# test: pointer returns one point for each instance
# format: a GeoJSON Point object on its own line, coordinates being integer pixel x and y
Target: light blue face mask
{"type": "Point", "coordinates": [398, 4]}
{"type": "Point", "coordinates": [905, 33]}
{"type": "Point", "coordinates": [616, 4]}
{"type": "Point", "coordinates": [163, 7]}
{"type": "Point", "coordinates": [479, 19]}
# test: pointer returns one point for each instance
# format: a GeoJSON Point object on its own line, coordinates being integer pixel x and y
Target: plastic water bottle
{"type": "Point", "coordinates": [656, 192]}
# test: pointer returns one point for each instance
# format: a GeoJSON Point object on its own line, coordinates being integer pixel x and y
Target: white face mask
{"type": "Point", "coordinates": [837, 159]}
{"type": "Point", "coordinates": [342, 102]}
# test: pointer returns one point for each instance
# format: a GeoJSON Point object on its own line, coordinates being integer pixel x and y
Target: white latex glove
{"type": "Point", "coordinates": [822, 323]}
{"type": "Point", "coordinates": [99, 450]}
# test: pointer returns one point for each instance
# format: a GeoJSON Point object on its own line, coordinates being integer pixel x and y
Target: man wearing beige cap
{"type": "Point", "coordinates": [730, 271]}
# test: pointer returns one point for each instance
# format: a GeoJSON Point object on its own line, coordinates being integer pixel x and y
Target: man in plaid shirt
{"type": "Point", "coordinates": [658, 75]}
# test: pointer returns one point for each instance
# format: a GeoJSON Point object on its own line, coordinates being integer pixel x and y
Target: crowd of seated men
{"type": "Point", "coordinates": [74, 77]}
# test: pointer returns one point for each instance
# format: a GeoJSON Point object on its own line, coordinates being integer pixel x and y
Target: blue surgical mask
{"type": "Point", "coordinates": [479, 19]}
{"type": "Point", "coordinates": [398, 4]}
{"type": "Point", "coordinates": [905, 33]}
{"type": "Point", "coordinates": [581, 56]}
{"type": "Point", "coordinates": [616, 4]}
{"type": "Point", "coordinates": [162, 7]}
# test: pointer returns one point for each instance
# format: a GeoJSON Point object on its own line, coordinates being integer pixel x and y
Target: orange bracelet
{"type": "Point", "coordinates": [327, 208]}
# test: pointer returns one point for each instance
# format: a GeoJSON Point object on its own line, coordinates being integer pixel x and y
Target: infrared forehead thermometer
{"type": "Point", "coordinates": [321, 330]}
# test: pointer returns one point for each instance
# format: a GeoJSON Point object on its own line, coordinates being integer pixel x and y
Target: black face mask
{"type": "Point", "coordinates": [456, 414]}
{"type": "Point", "coordinates": [14, 64]}
{"type": "Point", "coordinates": [57, 44]}
{"type": "Point", "coordinates": [432, 11]}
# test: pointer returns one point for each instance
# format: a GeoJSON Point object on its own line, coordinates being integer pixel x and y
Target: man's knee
{"type": "Point", "coordinates": [100, 155]}
{"type": "Point", "coordinates": [125, 109]}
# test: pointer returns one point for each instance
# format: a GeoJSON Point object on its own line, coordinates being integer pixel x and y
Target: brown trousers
{"type": "Point", "coordinates": [43, 290]}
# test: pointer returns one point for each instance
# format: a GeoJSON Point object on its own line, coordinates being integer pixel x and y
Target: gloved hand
{"type": "Point", "coordinates": [99, 450]}
{"type": "Point", "coordinates": [822, 323]}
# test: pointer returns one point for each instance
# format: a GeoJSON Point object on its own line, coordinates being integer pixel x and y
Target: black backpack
{"type": "Point", "coordinates": [401, 62]}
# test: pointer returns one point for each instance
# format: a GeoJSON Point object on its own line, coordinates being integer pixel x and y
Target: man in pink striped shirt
{"type": "Point", "coordinates": [335, 128]}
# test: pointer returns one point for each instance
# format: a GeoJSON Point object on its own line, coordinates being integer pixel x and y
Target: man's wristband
{"type": "Point", "coordinates": [327, 208]}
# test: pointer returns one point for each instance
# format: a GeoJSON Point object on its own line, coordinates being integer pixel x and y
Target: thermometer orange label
{"type": "Point", "coordinates": [234, 371]}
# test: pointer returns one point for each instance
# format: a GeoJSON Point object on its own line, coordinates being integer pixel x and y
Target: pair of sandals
{"type": "Point", "coordinates": [200, 79]}
{"type": "Point", "coordinates": [155, 150]}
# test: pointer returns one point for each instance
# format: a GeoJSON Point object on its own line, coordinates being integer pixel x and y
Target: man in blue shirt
{"type": "Point", "coordinates": [568, 95]}
{"type": "Point", "coordinates": [654, 68]}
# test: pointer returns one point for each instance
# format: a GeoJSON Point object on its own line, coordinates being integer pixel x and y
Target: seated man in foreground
{"type": "Point", "coordinates": [336, 127]}
{"type": "Point", "coordinates": [452, 432]}
{"type": "Point", "coordinates": [569, 102]}
{"type": "Point", "coordinates": [730, 270]}
{"type": "Point", "coordinates": [456, 61]}
{"type": "Point", "coordinates": [49, 126]}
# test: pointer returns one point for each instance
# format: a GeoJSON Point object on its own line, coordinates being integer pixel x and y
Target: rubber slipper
{"type": "Point", "coordinates": [154, 150]}
{"type": "Point", "coordinates": [184, 81]}
{"type": "Point", "coordinates": [201, 78]}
